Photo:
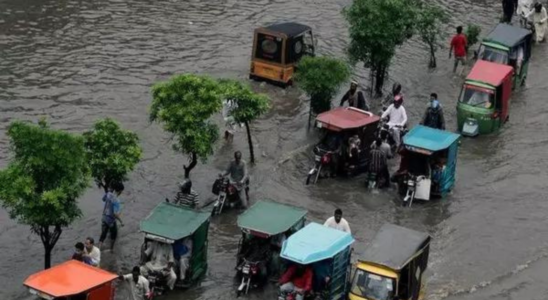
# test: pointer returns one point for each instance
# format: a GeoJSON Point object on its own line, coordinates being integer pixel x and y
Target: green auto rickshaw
{"type": "Point", "coordinates": [484, 100]}
{"type": "Point", "coordinates": [265, 226]}
{"type": "Point", "coordinates": [508, 45]}
{"type": "Point", "coordinates": [182, 235]}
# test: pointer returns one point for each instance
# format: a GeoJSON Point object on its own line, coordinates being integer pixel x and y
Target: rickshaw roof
{"type": "Point", "coordinates": [69, 278]}
{"type": "Point", "coordinates": [290, 29]}
{"type": "Point", "coordinates": [394, 246]}
{"type": "Point", "coordinates": [429, 138]}
{"type": "Point", "coordinates": [270, 217]}
{"type": "Point", "coordinates": [507, 35]}
{"type": "Point", "coordinates": [173, 221]}
{"type": "Point", "coordinates": [315, 242]}
{"type": "Point", "coordinates": [343, 118]}
{"type": "Point", "coordinates": [489, 72]}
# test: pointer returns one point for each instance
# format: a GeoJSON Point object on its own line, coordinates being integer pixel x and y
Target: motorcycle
{"type": "Point", "coordinates": [251, 273]}
{"type": "Point", "coordinates": [384, 129]}
{"type": "Point", "coordinates": [322, 159]}
{"type": "Point", "coordinates": [157, 283]}
{"type": "Point", "coordinates": [411, 181]}
{"type": "Point", "coordinates": [226, 190]}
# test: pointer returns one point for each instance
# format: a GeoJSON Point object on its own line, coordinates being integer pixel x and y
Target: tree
{"type": "Point", "coordinates": [248, 106]}
{"type": "Point", "coordinates": [376, 28]}
{"type": "Point", "coordinates": [429, 20]}
{"type": "Point", "coordinates": [472, 34]}
{"type": "Point", "coordinates": [321, 77]}
{"type": "Point", "coordinates": [111, 152]}
{"type": "Point", "coordinates": [46, 175]}
{"type": "Point", "coordinates": [183, 105]}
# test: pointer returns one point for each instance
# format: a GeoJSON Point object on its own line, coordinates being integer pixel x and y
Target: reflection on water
{"type": "Point", "coordinates": [77, 61]}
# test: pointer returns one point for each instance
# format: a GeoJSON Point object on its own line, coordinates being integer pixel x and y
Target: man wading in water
{"type": "Point", "coordinates": [355, 98]}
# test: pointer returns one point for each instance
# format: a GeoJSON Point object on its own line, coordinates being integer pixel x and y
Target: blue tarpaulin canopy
{"type": "Point", "coordinates": [315, 242]}
{"type": "Point", "coordinates": [429, 138]}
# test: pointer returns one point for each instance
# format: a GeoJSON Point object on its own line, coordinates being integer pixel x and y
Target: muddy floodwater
{"type": "Point", "coordinates": [77, 61]}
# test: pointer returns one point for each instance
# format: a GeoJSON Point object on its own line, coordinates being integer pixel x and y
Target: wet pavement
{"type": "Point", "coordinates": [75, 62]}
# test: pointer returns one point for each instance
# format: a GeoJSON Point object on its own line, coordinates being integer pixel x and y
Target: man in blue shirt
{"type": "Point", "coordinates": [111, 214]}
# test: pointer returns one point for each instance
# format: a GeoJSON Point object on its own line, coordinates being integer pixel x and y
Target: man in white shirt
{"type": "Point", "coordinates": [338, 222]}
{"type": "Point", "coordinates": [138, 284]}
{"type": "Point", "coordinates": [92, 252]}
{"type": "Point", "coordinates": [161, 260]}
{"type": "Point", "coordinates": [397, 118]}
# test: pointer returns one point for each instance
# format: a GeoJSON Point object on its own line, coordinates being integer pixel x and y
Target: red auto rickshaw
{"type": "Point", "coordinates": [343, 128]}
{"type": "Point", "coordinates": [72, 280]}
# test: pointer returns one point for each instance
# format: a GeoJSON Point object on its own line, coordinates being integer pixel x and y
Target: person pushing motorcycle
{"type": "Point", "coordinates": [238, 176]}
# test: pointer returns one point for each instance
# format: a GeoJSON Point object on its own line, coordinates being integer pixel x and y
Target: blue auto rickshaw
{"type": "Point", "coordinates": [327, 251]}
{"type": "Point", "coordinates": [428, 164]}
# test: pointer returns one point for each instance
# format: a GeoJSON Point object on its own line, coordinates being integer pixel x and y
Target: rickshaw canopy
{"type": "Point", "coordinates": [270, 218]}
{"type": "Point", "coordinates": [430, 139]}
{"type": "Point", "coordinates": [290, 29]}
{"type": "Point", "coordinates": [394, 246]}
{"type": "Point", "coordinates": [489, 73]}
{"type": "Point", "coordinates": [507, 35]}
{"type": "Point", "coordinates": [315, 242]}
{"type": "Point", "coordinates": [343, 118]}
{"type": "Point", "coordinates": [173, 222]}
{"type": "Point", "coordinates": [69, 278]}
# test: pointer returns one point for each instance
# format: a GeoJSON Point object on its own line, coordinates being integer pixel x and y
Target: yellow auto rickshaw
{"type": "Point", "coordinates": [392, 266]}
{"type": "Point", "coordinates": [277, 49]}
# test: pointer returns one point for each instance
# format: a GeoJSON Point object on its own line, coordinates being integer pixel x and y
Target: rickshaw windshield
{"type": "Point", "coordinates": [493, 55]}
{"type": "Point", "coordinates": [269, 48]}
{"type": "Point", "coordinates": [476, 96]}
{"type": "Point", "coordinates": [372, 286]}
{"type": "Point", "coordinates": [332, 141]}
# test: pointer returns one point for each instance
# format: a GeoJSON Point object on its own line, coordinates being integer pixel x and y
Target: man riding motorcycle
{"type": "Point", "coordinates": [397, 118]}
{"type": "Point", "coordinates": [239, 177]}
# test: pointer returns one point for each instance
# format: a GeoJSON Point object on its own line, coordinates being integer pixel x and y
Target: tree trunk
{"type": "Point", "coordinates": [433, 63]}
{"type": "Point", "coordinates": [193, 162]}
{"type": "Point", "coordinates": [380, 72]}
{"type": "Point", "coordinates": [49, 239]}
{"type": "Point", "coordinates": [250, 142]}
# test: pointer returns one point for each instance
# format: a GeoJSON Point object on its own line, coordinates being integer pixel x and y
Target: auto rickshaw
{"type": "Point", "coordinates": [265, 226]}
{"type": "Point", "coordinates": [392, 266]}
{"type": "Point", "coordinates": [72, 280]}
{"type": "Point", "coordinates": [172, 224]}
{"type": "Point", "coordinates": [428, 164]}
{"type": "Point", "coordinates": [348, 133]}
{"type": "Point", "coordinates": [484, 99]}
{"type": "Point", "coordinates": [327, 251]}
{"type": "Point", "coordinates": [277, 49]}
{"type": "Point", "coordinates": [508, 45]}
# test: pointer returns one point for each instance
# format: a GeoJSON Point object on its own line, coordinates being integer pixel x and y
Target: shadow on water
{"type": "Point", "coordinates": [76, 61]}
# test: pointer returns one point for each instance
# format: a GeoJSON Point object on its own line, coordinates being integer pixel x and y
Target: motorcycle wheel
{"type": "Point", "coordinates": [308, 179]}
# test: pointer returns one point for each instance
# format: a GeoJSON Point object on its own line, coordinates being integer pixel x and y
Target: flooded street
{"type": "Point", "coordinates": [77, 61]}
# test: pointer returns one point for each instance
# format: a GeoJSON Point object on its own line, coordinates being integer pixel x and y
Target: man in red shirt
{"type": "Point", "coordinates": [297, 279]}
{"type": "Point", "coordinates": [459, 45]}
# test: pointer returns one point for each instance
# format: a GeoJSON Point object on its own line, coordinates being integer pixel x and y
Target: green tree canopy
{"type": "Point", "coordinates": [472, 34]}
{"type": "Point", "coordinates": [111, 152]}
{"type": "Point", "coordinates": [183, 105]}
{"type": "Point", "coordinates": [429, 26]}
{"type": "Point", "coordinates": [248, 106]}
{"type": "Point", "coordinates": [321, 78]}
{"type": "Point", "coordinates": [376, 28]}
{"type": "Point", "coordinates": [42, 182]}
